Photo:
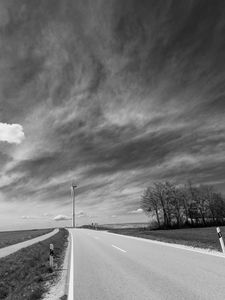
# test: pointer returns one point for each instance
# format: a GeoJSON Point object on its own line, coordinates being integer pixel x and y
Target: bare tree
{"type": "Point", "coordinates": [194, 206]}
{"type": "Point", "coordinates": [172, 204]}
{"type": "Point", "coordinates": [219, 207]}
{"type": "Point", "coordinates": [176, 204]}
{"type": "Point", "coordinates": [186, 202]}
{"type": "Point", "coordinates": [150, 204]}
{"type": "Point", "coordinates": [160, 195]}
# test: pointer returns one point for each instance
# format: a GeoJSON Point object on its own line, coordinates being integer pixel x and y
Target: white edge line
{"type": "Point", "coordinates": [71, 292]}
{"type": "Point", "coordinates": [119, 248]}
{"type": "Point", "coordinates": [177, 246]}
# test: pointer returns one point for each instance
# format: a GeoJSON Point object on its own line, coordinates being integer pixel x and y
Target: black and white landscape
{"type": "Point", "coordinates": [126, 100]}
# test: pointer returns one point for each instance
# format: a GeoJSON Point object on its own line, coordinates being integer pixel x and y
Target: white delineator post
{"type": "Point", "coordinates": [220, 239]}
{"type": "Point", "coordinates": [51, 254]}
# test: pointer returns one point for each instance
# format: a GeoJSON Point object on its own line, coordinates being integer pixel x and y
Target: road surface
{"type": "Point", "coordinates": [13, 248]}
{"type": "Point", "coordinates": [114, 267]}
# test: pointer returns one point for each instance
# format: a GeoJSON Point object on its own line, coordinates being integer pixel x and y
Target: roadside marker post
{"type": "Point", "coordinates": [220, 239]}
{"type": "Point", "coordinates": [51, 254]}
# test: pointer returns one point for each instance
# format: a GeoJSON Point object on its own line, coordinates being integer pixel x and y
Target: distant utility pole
{"type": "Point", "coordinates": [73, 203]}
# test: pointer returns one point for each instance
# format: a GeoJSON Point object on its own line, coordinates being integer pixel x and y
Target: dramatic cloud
{"type": "Point", "coordinates": [11, 133]}
{"type": "Point", "coordinates": [113, 95]}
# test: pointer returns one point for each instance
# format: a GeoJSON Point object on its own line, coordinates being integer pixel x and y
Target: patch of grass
{"type": "Point", "coordinates": [24, 274]}
{"type": "Point", "coordinates": [8, 238]}
{"type": "Point", "coordinates": [196, 237]}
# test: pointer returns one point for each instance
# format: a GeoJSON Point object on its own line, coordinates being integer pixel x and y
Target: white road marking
{"type": "Point", "coordinates": [178, 246]}
{"type": "Point", "coordinates": [71, 280]}
{"type": "Point", "coordinates": [96, 237]}
{"type": "Point", "coordinates": [119, 248]}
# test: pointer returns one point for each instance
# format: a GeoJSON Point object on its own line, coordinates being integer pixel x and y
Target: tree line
{"type": "Point", "coordinates": [175, 206]}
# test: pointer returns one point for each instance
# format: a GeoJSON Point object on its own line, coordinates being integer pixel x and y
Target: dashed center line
{"type": "Point", "coordinates": [119, 248]}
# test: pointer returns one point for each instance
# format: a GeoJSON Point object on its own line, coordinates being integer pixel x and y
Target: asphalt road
{"type": "Point", "coordinates": [108, 267]}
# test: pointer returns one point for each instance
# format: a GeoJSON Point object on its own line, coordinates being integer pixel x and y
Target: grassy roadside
{"type": "Point", "coordinates": [196, 237]}
{"type": "Point", "coordinates": [24, 274]}
{"type": "Point", "coordinates": [8, 238]}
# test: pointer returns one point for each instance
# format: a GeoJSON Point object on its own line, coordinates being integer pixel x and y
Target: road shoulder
{"type": "Point", "coordinates": [59, 290]}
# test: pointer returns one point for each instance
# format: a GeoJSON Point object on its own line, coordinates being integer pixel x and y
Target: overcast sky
{"type": "Point", "coordinates": [112, 95]}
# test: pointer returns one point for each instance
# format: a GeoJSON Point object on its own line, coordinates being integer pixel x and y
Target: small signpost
{"type": "Point", "coordinates": [220, 239]}
{"type": "Point", "coordinates": [51, 254]}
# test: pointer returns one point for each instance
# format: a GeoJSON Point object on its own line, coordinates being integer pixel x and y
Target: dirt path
{"type": "Point", "coordinates": [13, 248]}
